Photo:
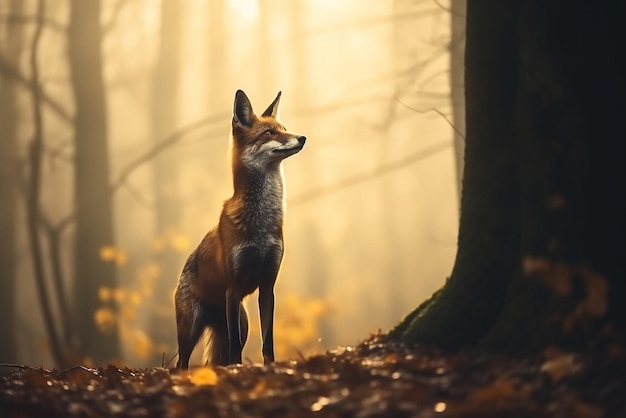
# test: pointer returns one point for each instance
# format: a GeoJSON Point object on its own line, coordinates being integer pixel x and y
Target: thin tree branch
{"type": "Point", "coordinates": [135, 164]}
{"type": "Point", "coordinates": [447, 9]}
{"type": "Point", "coordinates": [136, 194]}
{"type": "Point", "coordinates": [53, 233]}
{"type": "Point", "coordinates": [432, 110]}
{"type": "Point", "coordinates": [20, 19]}
{"type": "Point", "coordinates": [162, 146]}
{"type": "Point", "coordinates": [9, 71]}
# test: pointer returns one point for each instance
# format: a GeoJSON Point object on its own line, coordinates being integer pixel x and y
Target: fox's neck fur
{"type": "Point", "coordinates": [257, 206]}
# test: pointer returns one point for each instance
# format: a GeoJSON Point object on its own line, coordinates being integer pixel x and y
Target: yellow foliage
{"type": "Point", "coordinates": [134, 298]}
{"type": "Point", "coordinates": [107, 253]}
{"type": "Point", "coordinates": [128, 313]}
{"type": "Point", "coordinates": [121, 305]}
{"type": "Point", "coordinates": [173, 239]}
{"type": "Point", "coordinates": [121, 258]}
{"type": "Point", "coordinates": [296, 327]}
{"type": "Point", "coordinates": [104, 318]}
{"type": "Point", "coordinates": [141, 345]}
{"type": "Point", "coordinates": [149, 272]}
{"type": "Point", "coordinates": [112, 254]}
{"type": "Point", "coordinates": [180, 243]}
{"type": "Point", "coordinates": [204, 376]}
{"type": "Point", "coordinates": [105, 293]}
{"type": "Point", "coordinates": [119, 294]}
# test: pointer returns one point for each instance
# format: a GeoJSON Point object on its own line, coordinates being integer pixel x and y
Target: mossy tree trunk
{"type": "Point", "coordinates": [541, 236]}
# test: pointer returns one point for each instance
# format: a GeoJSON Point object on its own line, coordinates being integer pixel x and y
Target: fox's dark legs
{"type": "Point", "coordinates": [222, 355]}
{"type": "Point", "coordinates": [266, 312]}
{"type": "Point", "coordinates": [233, 322]}
{"type": "Point", "coordinates": [266, 306]}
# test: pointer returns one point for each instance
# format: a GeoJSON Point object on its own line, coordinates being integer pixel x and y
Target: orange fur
{"type": "Point", "coordinates": [244, 251]}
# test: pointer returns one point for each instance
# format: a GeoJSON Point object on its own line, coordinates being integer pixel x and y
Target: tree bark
{"type": "Point", "coordinates": [541, 230]}
{"type": "Point", "coordinates": [569, 116]}
{"type": "Point", "coordinates": [13, 37]}
{"type": "Point", "coordinates": [467, 306]}
{"type": "Point", "coordinates": [94, 217]}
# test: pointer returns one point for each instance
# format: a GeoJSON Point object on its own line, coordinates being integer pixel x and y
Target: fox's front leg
{"type": "Point", "coordinates": [233, 313]}
{"type": "Point", "coordinates": [266, 312]}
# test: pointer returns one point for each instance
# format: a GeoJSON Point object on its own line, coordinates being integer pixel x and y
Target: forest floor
{"type": "Point", "coordinates": [373, 379]}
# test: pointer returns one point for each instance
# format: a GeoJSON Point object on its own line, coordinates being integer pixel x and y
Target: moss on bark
{"type": "Point", "coordinates": [541, 238]}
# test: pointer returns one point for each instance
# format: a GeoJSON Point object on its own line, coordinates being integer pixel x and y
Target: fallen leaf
{"type": "Point", "coordinates": [501, 390]}
{"type": "Point", "coordinates": [204, 376]}
{"type": "Point", "coordinates": [560, 366]}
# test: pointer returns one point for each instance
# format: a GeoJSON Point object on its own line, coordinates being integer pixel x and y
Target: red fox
{"type": "Point", "coordinates": [244, 251]}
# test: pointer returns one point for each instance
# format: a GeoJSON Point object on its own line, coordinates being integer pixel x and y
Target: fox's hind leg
{"type": "Point", "coordinates": [189, 323]}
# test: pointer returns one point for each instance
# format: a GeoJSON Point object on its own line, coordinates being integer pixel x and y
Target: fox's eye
{"type": "Point", "coordinates": [268, 132]}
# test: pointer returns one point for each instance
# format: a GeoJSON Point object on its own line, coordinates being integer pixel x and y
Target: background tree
{"type": "Point", "coordinates": [164, 112]}
{"type": "Point", "coordinates": [12, 37]}
{"type": "Point", "coordinates": [94, 217]}
{"type": "Point", "coordinates": [541, 239]}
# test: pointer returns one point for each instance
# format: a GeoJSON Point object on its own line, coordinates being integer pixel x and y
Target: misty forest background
{"type": "Point", "coordinates": [114, 129]}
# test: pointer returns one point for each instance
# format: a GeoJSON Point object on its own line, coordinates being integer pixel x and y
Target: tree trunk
{"type": "Point", "coordinates": [541, 232]}
{"type": "Point", "coordinates": [458, 11]}
{"type": "Point", "coordinates": [166, 171]}
{"type": "Point", "coordinates": [96, 322]}
{"type": "Point", "coordinates": [12, 37]}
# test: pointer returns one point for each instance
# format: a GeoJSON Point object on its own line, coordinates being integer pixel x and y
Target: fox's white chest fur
{"type": "Point", "coordinates": [257, 212]}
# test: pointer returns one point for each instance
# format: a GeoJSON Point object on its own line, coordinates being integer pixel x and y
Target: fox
{"type": "Point", "coordinates": [244, 251]}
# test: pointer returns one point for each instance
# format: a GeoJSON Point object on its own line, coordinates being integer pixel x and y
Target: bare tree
{"type": "Point", "coordinates": [33, 188]}
{"type": "Point", "coordinates": [94, 217]}
{"type": "Point", "coordinates": [166, 167]}
{"type": "Point", "coordinates": [12, 36]}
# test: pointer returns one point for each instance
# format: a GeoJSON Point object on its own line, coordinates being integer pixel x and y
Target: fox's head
{"type": "Point", "coordinates": [261, 141]}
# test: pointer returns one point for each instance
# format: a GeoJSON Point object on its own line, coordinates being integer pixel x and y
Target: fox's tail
{"type": "Point", "coordinates": [216, 335]}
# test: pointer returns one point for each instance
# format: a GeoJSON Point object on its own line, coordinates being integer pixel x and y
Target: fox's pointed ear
{"type": "Point", "coordinates": [272, 110]}
{"type": "Point", "coordinates": [243, 115]}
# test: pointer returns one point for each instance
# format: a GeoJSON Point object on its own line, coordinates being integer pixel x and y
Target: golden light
{"type": "Point", "coordinates": [243, 11]}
